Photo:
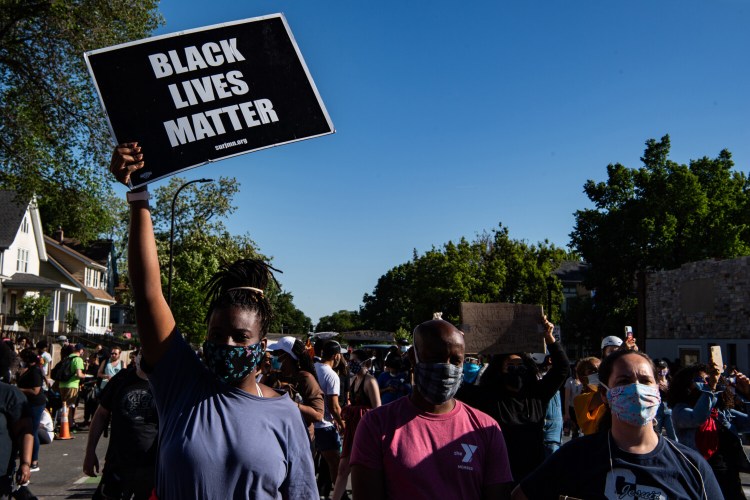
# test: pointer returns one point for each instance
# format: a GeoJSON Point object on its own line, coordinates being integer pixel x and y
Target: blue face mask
{"type": "Point", "coordinates": [232, 363]}
{"type": "Point", "coordinates": [275, 363]}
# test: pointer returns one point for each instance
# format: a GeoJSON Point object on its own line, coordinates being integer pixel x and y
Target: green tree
{"type": "Point", "coordinates": [71, 321]}
{"type": "Point", "coordinates": [201, 245]}
{"type": "Point", "coordinates": [33, 308]}
{"type": "Point", "coordinates": [658, 216]}
{"type": "Point", "coordinates": [54, 138]}
{"type": "Point", "coordinates": [340, 321]}
{"type": "Point", "coordinates": [492, 268]}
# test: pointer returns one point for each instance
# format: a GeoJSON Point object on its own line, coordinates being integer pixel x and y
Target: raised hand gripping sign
{"type": "Point", "coordinates": [206, 94]}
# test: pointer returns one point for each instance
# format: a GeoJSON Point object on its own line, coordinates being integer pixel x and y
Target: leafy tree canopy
{"type": "Point", "coordinates": [658, 216]}
{"type": "Point", "coordinates": [492, 268]}
{"type": "Point", "coordinates": [201, 245]}
{"type": "Point", "coordinates": [54, 138]}
{"type": "Point", "coordinates": [33, 308]}
{"type": "Point", "coordinates": [340, 321]}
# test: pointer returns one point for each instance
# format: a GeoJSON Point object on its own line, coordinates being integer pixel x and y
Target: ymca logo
{"type": "Point", "coordinates": [469, 450]}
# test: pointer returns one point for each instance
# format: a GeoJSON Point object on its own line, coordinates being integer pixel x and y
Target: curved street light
{"type": "Point", "coordinates": [171, 235]}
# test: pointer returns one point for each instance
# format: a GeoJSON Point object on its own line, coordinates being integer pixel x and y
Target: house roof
{"type": "Point", "coordinates": [97, 250]}
{"type": "Point", "coordinates": [572, 271]}
{"type": "Point", "coordinates": [90, 292]}
{"type": "Point", "coordinates": [34, 282]}
{"type": "Point", "coordinates": [13, 211]}
{"type": "Point", "coordinates": [89, 261]}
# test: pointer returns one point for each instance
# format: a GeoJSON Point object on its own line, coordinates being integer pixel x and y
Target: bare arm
{"type": "Point", "coordinates": [333, 403]}
{"type": "Point", "coordinates": [371, 389]}
{"type": "Point", "coordinates": [367, 484]}
{"type": "Point", "coordinates": [98, 424]}
{"type": "Point", "coordinates": [100, 371]}
{"type": "Point", "coordinates": [153, 316]}
{"type": "Point", "coordinates": [22, 431]}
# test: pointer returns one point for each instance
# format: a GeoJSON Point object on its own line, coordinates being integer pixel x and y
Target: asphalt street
{"type": "Point", "coordinates": [61, 475]}
{"type": "Point", "coordinates": [61, 464]}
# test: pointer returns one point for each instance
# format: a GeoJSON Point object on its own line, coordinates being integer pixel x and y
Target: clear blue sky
{"type": "Point", "coordinates": [453, 117]}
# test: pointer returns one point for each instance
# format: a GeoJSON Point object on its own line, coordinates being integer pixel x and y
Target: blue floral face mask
{"type": "Point", "coordinates": [232, 363]}
{"type": "Point", "coordinates": [635, 404]}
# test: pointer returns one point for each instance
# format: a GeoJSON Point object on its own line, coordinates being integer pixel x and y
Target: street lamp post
{"type": "Point", "coordinates": [171, 235]}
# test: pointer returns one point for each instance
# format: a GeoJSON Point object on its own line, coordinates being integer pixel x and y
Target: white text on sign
{"type": "Point", "coordinates": [196, 91]}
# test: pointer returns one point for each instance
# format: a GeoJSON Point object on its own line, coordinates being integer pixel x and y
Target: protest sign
{"type": "Point", "coordinates": [206, 94]}
{"type": "Point", "coordinates": [499, 328]}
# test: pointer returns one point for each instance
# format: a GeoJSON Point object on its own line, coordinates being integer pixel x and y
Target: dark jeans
{"type": "Point", "coordinates": [36, 418]}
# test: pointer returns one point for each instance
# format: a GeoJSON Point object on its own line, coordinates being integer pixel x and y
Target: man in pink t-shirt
{"type": "Point", "coordinates": [430, 445]}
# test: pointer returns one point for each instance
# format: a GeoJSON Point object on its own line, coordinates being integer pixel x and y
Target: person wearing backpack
{"type": "Point", "coordinates": [69, 386]}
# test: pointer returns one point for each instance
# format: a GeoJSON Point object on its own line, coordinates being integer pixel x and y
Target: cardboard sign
{"type": "Point", "coordinates": [714, 354]}
{"type": "Point", "coordinates": [207, 94]}
{"type": "Point", "coordinates": [500, 328]}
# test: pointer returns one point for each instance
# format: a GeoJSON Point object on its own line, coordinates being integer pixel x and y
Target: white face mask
{"type": "Point", "coordinates": [593, 381]}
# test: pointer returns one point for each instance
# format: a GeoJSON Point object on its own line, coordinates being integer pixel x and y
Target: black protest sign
{"type": "Point", "coordinates": [500, 328]}
{"type": "Point", "coordinates": [207, 94]}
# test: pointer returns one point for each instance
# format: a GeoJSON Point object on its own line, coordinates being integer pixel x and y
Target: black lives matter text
{"type": "Point", "coordinates": [205, 89]}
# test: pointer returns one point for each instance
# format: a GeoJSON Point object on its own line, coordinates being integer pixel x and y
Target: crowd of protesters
{"type": "Point", "coordinates": [242, 417]}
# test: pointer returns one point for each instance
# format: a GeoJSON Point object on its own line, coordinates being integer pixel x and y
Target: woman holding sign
{"type": "Point", "coordinates": [222, 435]}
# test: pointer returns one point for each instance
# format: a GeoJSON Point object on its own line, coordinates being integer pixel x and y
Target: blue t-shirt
{"type": "Point", "coordinates": [581, 469]}
{"type": "Point", "coordinates": [218, 441]}
{"type": "Point", "coordinates": [396, 383]}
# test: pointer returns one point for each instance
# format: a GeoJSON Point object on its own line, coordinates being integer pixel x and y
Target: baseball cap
{"type": "Point", "coordinates": [80, 347]}
{"type": "Point", "coordinates": [330, 348]}
{"type": "Point", "coordinates": [611, 341]}
{"type": "Point", "coordinates": [62, 338]}
{"type": "Point", "coordinates": [285, 344]}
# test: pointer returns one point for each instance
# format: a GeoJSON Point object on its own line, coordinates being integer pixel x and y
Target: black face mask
{"type": "Point", "coordinates": [514, 378]}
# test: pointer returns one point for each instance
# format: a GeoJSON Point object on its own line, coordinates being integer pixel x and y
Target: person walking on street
{"type": "Point", "coordinates": [131, 455]}
{"type": "Point", "coordinates": [30, 381]}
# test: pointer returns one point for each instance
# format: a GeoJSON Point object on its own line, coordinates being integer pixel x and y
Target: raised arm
{"type": "Point", "coordinates": [558, 373]}
{"type": "Point", "coordinates": [153, 316]}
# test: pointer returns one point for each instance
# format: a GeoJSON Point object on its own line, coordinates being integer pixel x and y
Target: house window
{"type": "Point", "coordinates": [104, 316]}
{"type": "Point", "coordinates": [22, 264]}
{"type": "Point", "coordinates": [87, 280]}
{"type": "Point", "coordinates": [98, 313]}
{"type": "Point", "coordinates": [95, 277]}
{"type": "Point", "coordinates": [92, 310]}
{"type": "Point", "coordinates": [25, 225]}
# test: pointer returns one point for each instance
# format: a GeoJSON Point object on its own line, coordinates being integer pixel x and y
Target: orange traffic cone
{"type": "Point", "coordinates": [64, 427]}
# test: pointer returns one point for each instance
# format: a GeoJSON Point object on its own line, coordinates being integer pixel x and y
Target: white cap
{"type": "Point", "coordinates": [611, 341]}
{"type": "Point", "coordinates": [283, 344]}
{"type": "Point", "coordinates": [62, 337]}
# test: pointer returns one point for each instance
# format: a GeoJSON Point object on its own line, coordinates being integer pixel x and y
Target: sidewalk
{"type": "Point", "coordinates": [61, 463]}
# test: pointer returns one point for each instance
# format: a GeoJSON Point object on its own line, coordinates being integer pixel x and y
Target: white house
{"type": "Point", "coordinates": [91, 270]}
{"type": "Point", "coordinates": [22, 252]}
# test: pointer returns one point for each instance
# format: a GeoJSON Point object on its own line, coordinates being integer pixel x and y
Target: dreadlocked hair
{"type": "Point", "coordinates": [230, 286]}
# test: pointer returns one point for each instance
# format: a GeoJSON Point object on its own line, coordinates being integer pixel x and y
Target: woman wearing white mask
{"type": "Point", "coordinates": [630, 459]}
{"type": "Point", "coordinates": [589, 405]}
